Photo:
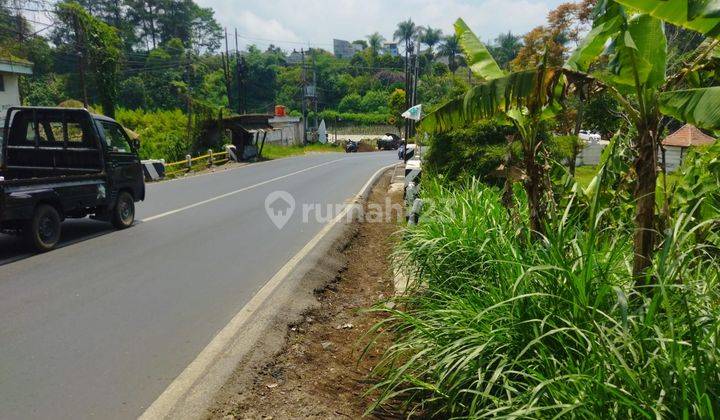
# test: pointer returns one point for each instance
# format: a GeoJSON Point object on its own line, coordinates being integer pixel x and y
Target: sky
{"type": "Point", "coordinates": [301, 23]}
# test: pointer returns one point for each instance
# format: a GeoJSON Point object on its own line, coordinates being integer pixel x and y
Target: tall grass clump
{"type": "Point", "coordinates": [500, 324]}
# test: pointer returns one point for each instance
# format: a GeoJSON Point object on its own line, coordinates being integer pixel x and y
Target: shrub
{"type": "Point", "coordinates": [350, 103]}
{"type": "Point", "coordinates": [499, 325]}
{"type": "Point", "coordinates": [463, 153]}
{"type": "Point", "coordinates": [373, 101]}
{"type": "Point", "coordinates": [163, 134]}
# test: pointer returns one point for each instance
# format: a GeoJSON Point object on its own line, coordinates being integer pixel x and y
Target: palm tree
{"type": "Point", "coordinates": [506, 48]}
{"type": "Point", "coordinates": [405, 32]}
{"type": "Point", "coordinates": [451, 49]}
{"type": "Point", "coordinates": [431, 37]}
{"type": "Point", "coordinates": [375, 41]}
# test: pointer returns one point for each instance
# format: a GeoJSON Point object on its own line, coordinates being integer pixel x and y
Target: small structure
{"type": "Point", "coordinates": [674, 147]}
{"type": "Point", "coordinates": [10, 70]}
{"type": "Point", "coordinates": [248, 133]}
{"type": "Point", "coordinates": [287, 130]}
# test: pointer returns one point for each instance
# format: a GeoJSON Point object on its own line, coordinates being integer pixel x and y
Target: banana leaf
{"type": "Point", "coordinates": [698, 15]}
{"type": "Point", "coordinates": [477, 55]}
{"type": "Point", "coordinates": [700, 107]}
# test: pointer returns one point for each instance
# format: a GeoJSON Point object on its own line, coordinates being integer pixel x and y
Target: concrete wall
{"type": "Point", "coordinates": [287, 131]}
{"type": "Point", "coordinates": [590, 154]}
{"type": "Point", "coordinates": [673, 157]}
{"type": "Point", "coordinates": [11, 95]}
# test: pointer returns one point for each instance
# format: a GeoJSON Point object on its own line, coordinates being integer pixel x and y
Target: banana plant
{"type": "Point", "coordinates": [527, 99]}
{"type": "Point", "coordinates": [631, 34]}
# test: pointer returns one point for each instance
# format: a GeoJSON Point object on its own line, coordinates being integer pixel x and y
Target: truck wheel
{"type": "Point", "coordinates": [123, 215]}
{"type": "Point", "coordinates": [43, 231]}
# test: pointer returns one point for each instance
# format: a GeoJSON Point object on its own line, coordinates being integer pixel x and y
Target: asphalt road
{"type": "Point", "coordinates": [102, 325]}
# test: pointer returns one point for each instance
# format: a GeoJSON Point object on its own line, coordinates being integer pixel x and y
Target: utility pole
{"type": "Point", "coordinates": [79, 46]}
{"type": "Point", "coordinates": [304, 96]}
{"type": "Point", "coordinates": [416, 65]}
{"type": "Point", "coordinates": [240, 69]}
{"type": "Point", "coordinates": [314, 92]}
{"type": "Point", "coordinates": [407, 91]}
{"type": "Point", "coordinates": [226, 70]}
{"type": "Point", "coordinates": [188, 101]}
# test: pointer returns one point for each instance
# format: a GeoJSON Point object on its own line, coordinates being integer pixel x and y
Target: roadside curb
{"type": "Point", "coordinates": [192, 392]}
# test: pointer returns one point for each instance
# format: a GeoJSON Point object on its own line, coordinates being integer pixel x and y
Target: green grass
{"type": "Point", "coordinates": [585, 174]}
{"type": "Point", "coordinates": [507, 325]}
{"type": "Point", "coordinates": [275, 151]}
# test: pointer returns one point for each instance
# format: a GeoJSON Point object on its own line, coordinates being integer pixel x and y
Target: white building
{"type": "Point", "coordinates": [10, 70]}
{"type": "Point", "coordinates": [391, 48]}
{"type": "Point", "coordinates": [287, 130]}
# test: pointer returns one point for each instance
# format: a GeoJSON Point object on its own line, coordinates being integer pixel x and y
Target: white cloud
{"type": "Point", "coordinates": [294, 23]}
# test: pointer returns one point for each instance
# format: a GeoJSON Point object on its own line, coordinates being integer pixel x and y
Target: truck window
{"type": "Point", "coordinates": [115, 138]}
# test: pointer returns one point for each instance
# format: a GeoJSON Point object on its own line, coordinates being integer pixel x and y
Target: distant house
{"type": "Point", "coordinates": [391, 48]}
{"type": "Point", "coordinates": [345, 49]}
{"type": "Point", "coordinates": [676, 145]}
{"type": "Point", "coordinates": [10, 70]}
{"type": "Point", "coordinates": [294, 57]}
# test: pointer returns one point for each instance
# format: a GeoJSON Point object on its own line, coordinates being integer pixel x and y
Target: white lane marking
{"type": "Point", "coordinates": [219, 197]}
{"type": "Point", "coordinates": [182, 385]}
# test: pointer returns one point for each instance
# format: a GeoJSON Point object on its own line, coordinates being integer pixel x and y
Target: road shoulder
{"type": "Point", "coordinates": [315, 368]}
{"type": "Point", "coordinates": [258, 330]}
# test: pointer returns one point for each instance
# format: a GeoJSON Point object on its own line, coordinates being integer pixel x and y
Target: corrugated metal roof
{"type": "Point", "coordinates": [687, 136]}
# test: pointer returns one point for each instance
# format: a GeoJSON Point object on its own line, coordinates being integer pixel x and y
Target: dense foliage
{"type": "Point", "coordinates": [503, 325]}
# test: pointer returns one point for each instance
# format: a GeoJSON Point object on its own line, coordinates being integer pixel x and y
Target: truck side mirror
{"type": "Point", "coordinates": [135, 143]}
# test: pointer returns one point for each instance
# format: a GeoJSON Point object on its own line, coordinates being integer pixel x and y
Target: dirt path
{"type": "Point", "coordinates": [317, 374]}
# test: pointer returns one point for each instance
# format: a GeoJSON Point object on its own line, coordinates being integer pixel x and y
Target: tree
{"type": "Point", "coordinates": [506, 48]}
{"type": "Point", "coordinates": [431, 37]}
{"type": "Point", "coordinates": [450, 48]}
{"type": "Point", "coordinates": [206, 33]}
{"type": "Point", "coordinates": [362, 43]}
{"type": "Point", "coordinates": [637, 79]}
{"type": "Point", "coordinates": [525, 99]}
{"type": "Point", "coordinates": [100, 45]}
{"type": "Point", "coordinates": [552, 42]}
{"type": "Point", "coordinates": [406, 31]}
{"type": "Point", "coordinates": [374, 45]}
{"type": "Point", "coordinates": [396, 103]}
{"type": "Point", "coordinates": [145, 14]}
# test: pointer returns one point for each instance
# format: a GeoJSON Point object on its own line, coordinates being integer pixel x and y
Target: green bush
{"type": "Point", "coordinates": [463, 153]}
{"type": "Point", "coordinates": [351, 103]}
{"type": "Point", "coordinates": [501, 325]}
{"type": "Point", "coordinates": [163, 134]}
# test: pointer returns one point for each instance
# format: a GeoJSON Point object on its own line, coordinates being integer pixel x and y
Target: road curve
{"type": "Point", "coordinates": [101, 326]}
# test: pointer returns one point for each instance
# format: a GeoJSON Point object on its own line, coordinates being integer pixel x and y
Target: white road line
{"type": "Point", "coordinates": [163, 406]}
{"type": "Point", "coordinates": [219, 197]}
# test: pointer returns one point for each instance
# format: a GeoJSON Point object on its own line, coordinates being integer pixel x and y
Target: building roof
{"type": "Point", "coordinates": [11, 64]}
{"type": "Point", "coordinates": [688, 136]}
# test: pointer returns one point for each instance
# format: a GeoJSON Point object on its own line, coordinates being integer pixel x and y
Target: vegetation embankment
{"type": "Point", "coordinates": [545, 290]}
{"type": "Point", "coordinates": [276, 151]}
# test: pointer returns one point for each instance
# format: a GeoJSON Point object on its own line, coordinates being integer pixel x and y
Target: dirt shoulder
{"type": "Point", "coordinates": [316, 373]}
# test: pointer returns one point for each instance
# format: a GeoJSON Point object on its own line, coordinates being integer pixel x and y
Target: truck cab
{"type": "Point", "coordinates": [59, 163]}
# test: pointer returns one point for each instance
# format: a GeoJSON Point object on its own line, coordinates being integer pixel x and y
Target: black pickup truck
{"type": "Point", "coordinates": [59, 163]}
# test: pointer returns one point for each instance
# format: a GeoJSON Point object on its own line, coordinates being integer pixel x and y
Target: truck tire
{"type": "Point", "coordinates": [123, 214]}
{"type": "Point", "coordinates": [43, 230]}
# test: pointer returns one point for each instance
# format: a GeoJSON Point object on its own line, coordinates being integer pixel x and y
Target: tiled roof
{"type": "Point", "coordinates": [687, 136]}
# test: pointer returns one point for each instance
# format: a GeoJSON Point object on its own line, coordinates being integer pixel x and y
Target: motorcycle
{"type": "Point", "coordinates": [351, 147]}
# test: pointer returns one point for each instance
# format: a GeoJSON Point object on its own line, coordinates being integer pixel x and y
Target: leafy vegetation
{"type": "Point", "coordinates": [506, 326]}
{"type": "Point", "coordinates": [587, 295]}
